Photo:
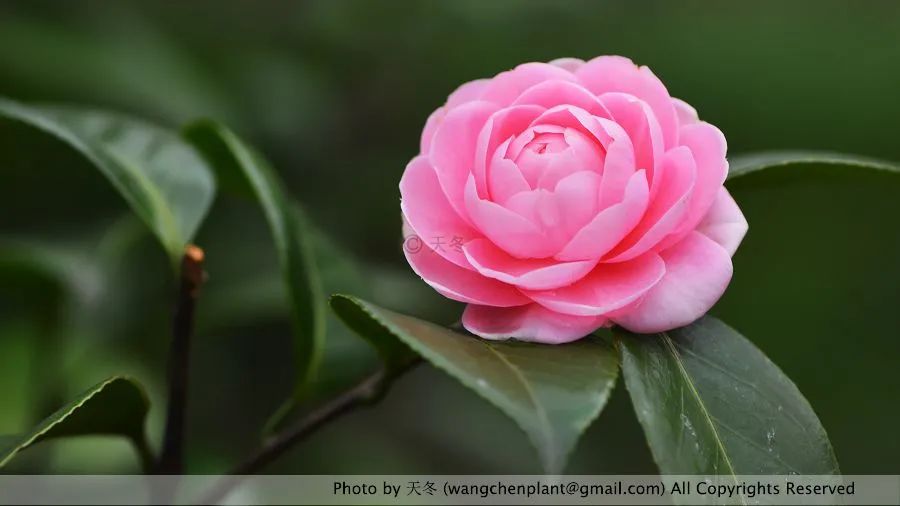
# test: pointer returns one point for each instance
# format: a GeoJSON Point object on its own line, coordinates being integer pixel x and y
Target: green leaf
{"type": "Point", "coordinates": [552, 392]}
{"type": "Point", "coordinates": [117, 406]}
{"type": "Point", "coordinates": [710, 402]}
{"type": "Point", "coordinates": [163, 180]}
{"type": "Point", "coordinates": [393, 352]}
{"type": "Point", "coordinates": [242, 169]}
{"type": "Point", "coordinates": [823, 161]}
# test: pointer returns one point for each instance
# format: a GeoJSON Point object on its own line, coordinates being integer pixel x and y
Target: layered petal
{"type": "Point", "coordinates": [639, 122]}
{"type": "Point", "coordinates": [568, 63]}
{"type": "Point", "coordinates": [666, 212]}
{"type": "Point", "coordinates": [607, 288]}
{"type": "Point", "coordinates": [510, 231]}
{"type": "Point", "coordinates": [697, 271]}
{"type": "Point", "coordinates": [452, 150]}
{"type": "Point", "coordinates": [550, 94]}
{"type": "Point", "coordinates": [619, 160]}
{"type": "Point", "coordinates": [609, 226]}
{"type": "Point", "coordinates": [724, 222]}
{"type": "Point", "coordinates": [708, 147]}
{"type": "Point", "coordinates": [428, 212]}
{"type": "Point", "coordinates": [504, 179]}
{"type": "Point", "coordinates": [457, 283]}
{"type": "Point", "coordinates": [506, 87]}
{"type": "Point", "coordinates": [467, 92]}
{"type": "Point", "coordinates": [500, 127]}
{"type": "Point", "coordinates": [431, 125]}
{"type": "Point", "coordinates": [528, 323]}
{"type": "Point", "coordinates": [685, 112]}
{"type": "Point", "coordinates": [531, 274]}
{"type": "Point", "coordinates": [606, 74]}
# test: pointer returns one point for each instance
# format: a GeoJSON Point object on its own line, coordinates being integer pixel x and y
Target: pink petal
{"type": "Point", "coordinates": [532, 274]}
{"type": "Point", "coordinates": [511, 232]}
{"type": "Point", "coordinates": [611, 225]}
{"type": "Point", "coordinates": [452, 150]}
{"type": "Point", "coordinates": [687, 115]}
{"type": "Point", "coordinates": [697, 272]}
{"type": "Point", "coordinates": [708, 146]}
{"type": "Point", "coordinates": [570, 64]}
{"type": "Point", "coordinates": [467, 92]}
{"type": "Point", "coordinates": [430, 215]}
{"type": "Point", "coordinates": [502, 125]}
{"type": "Point", "coordinates": [550, 94]}
{"type": "Point", "coordinates": [638, 120]}
{"type": "Point", "coordinates": [528, 323]}
{"type": "Point", "coordinates": [615, 73]}
{"type": "Point", "coordinates": [666, 212]}
{"type": "Point", "coordinates": [607, 288]}
{"type": "Point", "coordinates": [619, 163]}
{"type": "Point", "coordinates": [561, 166]}
{"type": "Point", "coordinates": [457, 283]}
{"type": "Point", "coordinates": [504, 177]}
{"type": "Point", "coordinates": [576, 197]}
{"type": "Point", "coordinates": [506, 87]}
{"type": "Point", "coordinates": [540, 208]}
{"type": "Point", "coordinates": [431, 124]}
{"type": "Point", "coordinates": [724, 222]}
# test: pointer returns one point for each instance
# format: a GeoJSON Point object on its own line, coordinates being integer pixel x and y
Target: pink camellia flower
{"type": "Point", "coordinates": [560, 197]}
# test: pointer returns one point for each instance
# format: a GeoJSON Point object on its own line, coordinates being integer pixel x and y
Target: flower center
{"type": "Point", "coordinates": [545, 154]}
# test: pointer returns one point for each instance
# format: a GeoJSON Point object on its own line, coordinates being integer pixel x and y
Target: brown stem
{"type": "Point", "coordinates": [171, 459]}
{"type": "Point", "coordinates": [361, 394]}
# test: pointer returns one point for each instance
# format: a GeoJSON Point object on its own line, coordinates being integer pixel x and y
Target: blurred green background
{"type": "Point", "coordinates": [335, 93]}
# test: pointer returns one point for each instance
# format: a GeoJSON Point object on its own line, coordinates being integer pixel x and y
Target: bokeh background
{"type": "Point", "coordinates": [335, 94]}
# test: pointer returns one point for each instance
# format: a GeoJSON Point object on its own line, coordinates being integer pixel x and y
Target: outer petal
{"type": "Point", "coordinates": [607, 288]}
{"type": "Point", "coordinates": [550, 94]}
{"type": "Point", "coordinates": [431, 126]}
{"type": "Point", "coordinates": [457, 283]}
{"type": "Point", "coordinates": [570, 64]}
{"type": "Point", "coordinates": [505, 87]}
{"type": "Point", "coordinates": [532, 274]}
{"type": "Point", "coordinates": [615, 73]}
{"type": "Point", "coordinates": [687, 115]}
{"type": "Point", "coordinates": [697, 272]}
{"type": "Point", "coordinates": [708, 146]}
{"type": "Point", "coordinates": [452, 150]}
{"type": "Point", "coordinates": [724, 223]}
{"type": "Point", "coordinates": [467, 92]}
{"type": "Point", "coordinates": [528, 323]}
{"type": "Point", "coordinates": [429, 214]}
{"type": "Point", "coordinates": [638, 120]}
{"type": "Point", "coordinates": [665, 212]}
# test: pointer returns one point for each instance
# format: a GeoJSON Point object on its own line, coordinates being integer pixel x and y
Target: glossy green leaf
{"type": "Point", "coordinates": [242, 169]}
{"type": "Point", "coordinates": [117, 407]}
{"type": "Point", "coordinates": [552, 392]}
{"type": "Point", "coordinates": [710, 402]}
{"type": "Point", "coordinates": [163, 180]}
{"type": "Point", "coordinates": [823, 161]}
{"type": "Point", "coordinates": [395, 354]}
